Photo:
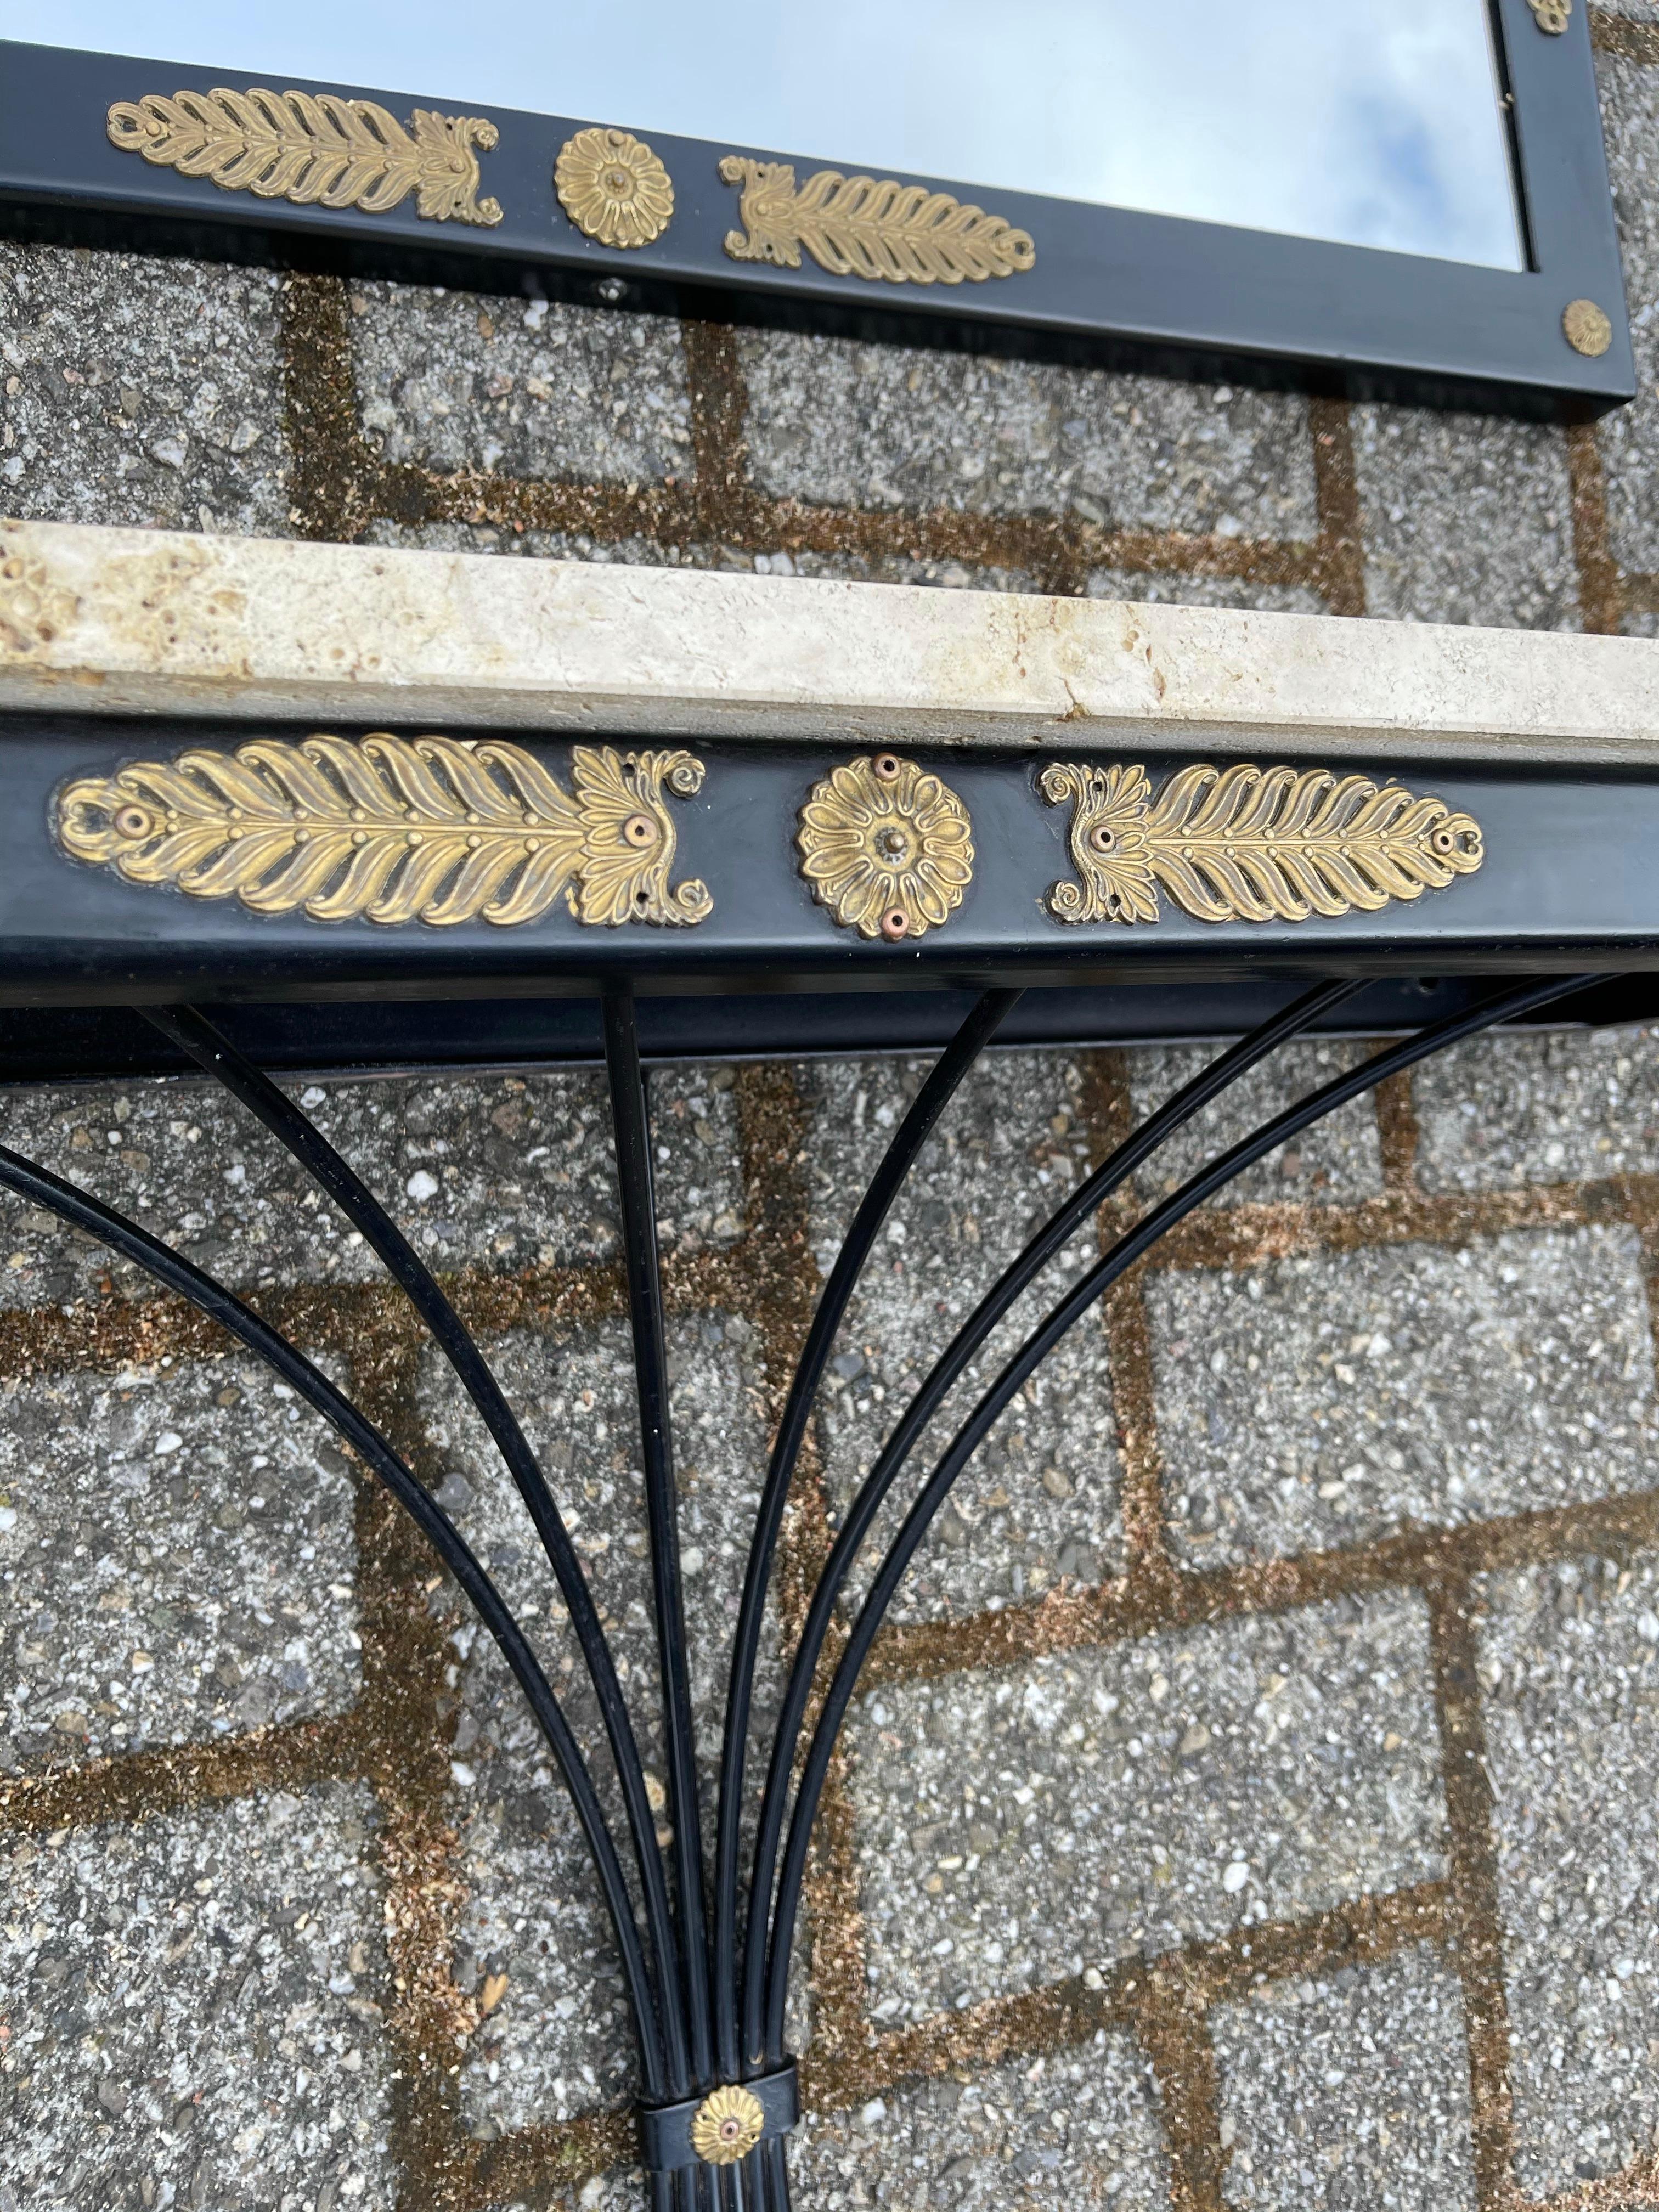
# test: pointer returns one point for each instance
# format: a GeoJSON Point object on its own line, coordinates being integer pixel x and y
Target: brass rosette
{"type": "Point", "coordinates": [887, 846]}
{"type": "Point", "coordinates": [726, 2126]}
{"type": "Point", "coordinates": [613, 187]}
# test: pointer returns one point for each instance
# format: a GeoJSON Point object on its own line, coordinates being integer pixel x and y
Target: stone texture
{"type": "Point", "coordinates": [194, 2007]}
{"type": "Point", "coordinates": [1039, 1500]}
{"type": "Point", "coordinates": [922, 430]}
{"type": "Point", "coordinates": [1570, 1665]}
{"type": "Point", "coordinates": [499, 1172]}
{"type": "Point", "coordinates": [1466, 520]}
{"type": "Point", "coordinates": [254, 629]}
{"type": "Point", "coordinates": [1079, 2128]}
{"type": "Point", "coordinates": [138, 390]}
{"type": "Point", "coordinates": [456, 381]}
{"type": "Point", "coordinates": [1539, 1110]}
{"type": "Point", "coordinates": [1173, 587]}
{"type": "Point", "coordinates": [1628, 438]}
{"type": "Point", "coordinates": [1349, 2092]}
{"type": "Point", "coordinates": [1337, 1160]}
{"type": "Point", "coordinates": [551, 2048]}
{"type": "Point", "coordinates": [1019, 1824]}
{"type": "Point", "coordinates": [1315, 1403]}
{"type": "Point", "coordinates": [176, 1561]}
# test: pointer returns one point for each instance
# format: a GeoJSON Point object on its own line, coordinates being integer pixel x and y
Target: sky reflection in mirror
{"type": "Point", "coordinates": [1367, 122]}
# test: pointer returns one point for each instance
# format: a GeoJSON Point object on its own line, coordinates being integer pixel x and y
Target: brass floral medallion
{"type": "Point", "coordinates": [726, 2126]}
{"type": "Point", "coordinates": [887, 846]}
{"type": "Point", "coordinates": [613, 187]}
{"type": "Point", "coordinates": [1249, 844]}
{"type": "Point", "coordinates": [1586, 328]}
{"type": "Point", "coordinates": [387, 829]}
{"type": "Point", "coordinates": [314, 148]}
{"type": "Point", "coordinates": [888, 232]}
{"type": "Point", "coordinates": [1551, 15]}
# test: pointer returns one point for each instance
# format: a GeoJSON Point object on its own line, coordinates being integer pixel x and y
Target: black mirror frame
{"type": "Point", "coordinates": [1109, 285]}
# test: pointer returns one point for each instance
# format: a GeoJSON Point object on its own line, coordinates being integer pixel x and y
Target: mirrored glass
{"type": "Point", "coordinates": [1371, 122]}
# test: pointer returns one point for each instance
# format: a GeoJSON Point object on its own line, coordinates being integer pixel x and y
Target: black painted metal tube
{"type": "Point", "coordinates": [1089, 1196]}
{"type": "Point", "coordinates": [1083, 1294]}
{"type": "Point", "coordinates": [44, 1189]}
{"type": "Point", "coordinates": [986, 1017]}
{"type": "Point", "coordinates": [194, 1033]}
{"type": "Point", "coordinates": [631, 1131]}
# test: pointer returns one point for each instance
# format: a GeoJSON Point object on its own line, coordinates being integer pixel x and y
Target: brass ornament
{"type": "Point", "coordinates": [726, 2126]}
{"type": "Point", "coordinates": [1249, 844]}
{"type": "Point", "coordinates": [317, 150]}
{"type": "Point", "coordinates": [1551, 15]}
{"type": "Point", "coordinates": [613, 187]}
{"type": "Point", "coordinates": [887, 846]}
{"type": "Point", "coordinates": [1586, 328]}
{"type": "Point", "coordinates": [389, 830]}
{"type": "Point", "coordinates": [890, 233]}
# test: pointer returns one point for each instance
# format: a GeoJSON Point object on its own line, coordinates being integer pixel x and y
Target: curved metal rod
{"type": "Point", "coordinates": [982, 1023]}
{"type": "Point", "coordinates": [631, 1131]}
{"type": "Point", "coordinates": [195, 1035]}
{"type": "Point", "coordinates": [1115, 1263]}
{"type": "Point", "coordinates": [44, 1189]}
{"type": "Point", "coordinates": [1089, 1194]}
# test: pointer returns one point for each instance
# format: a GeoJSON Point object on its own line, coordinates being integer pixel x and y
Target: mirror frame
{"type": "Point", "coordinates": [1111, 286]}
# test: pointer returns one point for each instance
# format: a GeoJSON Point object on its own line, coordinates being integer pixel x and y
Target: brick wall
{"type": "Point", "coordinates": [1252, 1801]}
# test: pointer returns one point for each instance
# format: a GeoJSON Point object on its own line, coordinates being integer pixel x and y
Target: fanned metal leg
{"type": "Point", "coordinates": [709, 2014]}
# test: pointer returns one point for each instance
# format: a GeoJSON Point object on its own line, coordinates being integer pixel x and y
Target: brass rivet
{"type": "Point", "coordinates": [896, 923]}
{"type": "Point", "coordinates": [726, 2126]}
{"type": "Point", "coordinates": [1586, 327]}
{"type": "Point", "coordinates": [639, 832]}
{"type": "Point", "coordinates": [886, 768]}
{"type": "Point", "coordinates": [134, 822]}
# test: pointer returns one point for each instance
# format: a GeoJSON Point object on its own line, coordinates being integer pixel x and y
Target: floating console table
{"type": "Point", "coordinates": [284, 806]}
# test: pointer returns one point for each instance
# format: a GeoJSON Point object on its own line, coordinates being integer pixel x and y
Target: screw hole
{"type": "Point", "coordinates": [885, 767]}
{"type": "Point", "coordinates": [896, 923]}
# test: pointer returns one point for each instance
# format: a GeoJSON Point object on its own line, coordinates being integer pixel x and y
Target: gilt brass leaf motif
{"type": "Point", "coordinates": [314, 148]}
{"type": "Point", "coordinates": [887, 232]}
{"type": "Point", "coordinates": [1249, 844]}
{"type": "Point", "coordinates": [387, 830]}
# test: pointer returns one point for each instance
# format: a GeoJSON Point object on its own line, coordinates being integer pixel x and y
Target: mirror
{"type": "Point", "coordinates": [1374, 123]}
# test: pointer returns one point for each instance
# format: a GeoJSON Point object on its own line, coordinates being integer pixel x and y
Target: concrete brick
{"type": "Point", "coordinates": [1570, 1665]}
{"type": "Point", "coordinates": [176, 1560]}
{"type": "Point", "coordinates": [1040, 1499]}
{"type": "Point", "coordinates": [140, 391]}
{"type": "Point", "coordinates": [1328, 2098]}
{"type": "Point", "coordinates": [1330, 1401]}
{"type": "Point", "coordinates": [550, 2049]}
{"type": "Point", "coordinates": [1503, 1111]}
{"type": "Point", "coordinates": [1466, 518]}
{"type": "Point", "coordinates": [1336, 1162]}
{"type": "Point", "coordinates": [194, 2007]}
{"type": "Point", "coordinates": [1078, 2128]}
{"type": "Point", "coordinates": [1169, 587]}
{"type": "Point", "coordinates": [841, 423]}
{"type": "Point", "coordinates": [456, 381]}
{"type": "Point", "coordinates": [1015, 1826]}
{"type": "Point", "coordinates": [501, 1171]}
{"type": "Point", "coordinates": [1628, 439]}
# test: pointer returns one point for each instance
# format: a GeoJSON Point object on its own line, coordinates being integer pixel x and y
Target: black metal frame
{"type": "Point", "coordinates": [1109, 284]}
{"type": "Point", "coordinates": [706, 1966]}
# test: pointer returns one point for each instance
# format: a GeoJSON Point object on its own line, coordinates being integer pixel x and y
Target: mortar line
{"type": "Point", "coordinates": [339, 486]}
{"type": "Point", "coordinates": [1341, 552]}
{"type": "Point", "coordinates": [1600, 591]}
{"type": "Point", "coordinates": [1097, 1618]}
{"type": "Point", "coordinates": [1476, 1922]}
{"type": "Point", "coordinates": [1618, 35]}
